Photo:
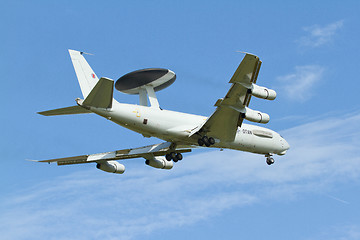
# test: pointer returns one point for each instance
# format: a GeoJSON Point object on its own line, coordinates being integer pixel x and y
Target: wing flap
{"type": "Point", "coordinates": [68, 160]}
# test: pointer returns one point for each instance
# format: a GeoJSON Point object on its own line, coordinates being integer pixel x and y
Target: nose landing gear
{"type": "Point", "coordinates": [269, 159]}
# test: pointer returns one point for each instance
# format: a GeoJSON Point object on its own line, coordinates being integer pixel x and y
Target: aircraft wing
{"type": "Point", "coordinates": [153, 150]}
{"type": "Point", "coordinates": [223, 123]}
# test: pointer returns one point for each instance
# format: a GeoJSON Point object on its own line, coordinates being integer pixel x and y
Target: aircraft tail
{"type": "Point", "coordinates": [86, 76]}
{"type": "Point", "coordinates": [101, 96]}
{"type": "Point", "coordinates": [97, 93]}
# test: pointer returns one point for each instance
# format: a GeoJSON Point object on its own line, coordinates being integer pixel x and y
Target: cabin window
{"type": "Point", "coordinates": [145, 121]}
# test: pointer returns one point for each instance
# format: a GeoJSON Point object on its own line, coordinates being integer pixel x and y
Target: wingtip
{"type": "Point", "coordinates": [31, 160]}
{"type": "Point", "coordinates": [91, 54]}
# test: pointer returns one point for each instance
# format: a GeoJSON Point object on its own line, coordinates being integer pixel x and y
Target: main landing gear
{"type": "Point", "coordinates": [206, 141]}
{"type": "Point", "coordinates": [174, 156]}
{"type": "Point", "coordinates": [269, 159]}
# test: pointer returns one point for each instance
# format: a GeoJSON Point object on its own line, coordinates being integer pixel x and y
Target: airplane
{"type": "Point", "coordinates": [181, 132]}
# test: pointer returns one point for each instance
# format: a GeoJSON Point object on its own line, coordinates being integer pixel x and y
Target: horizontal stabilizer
{"type": "Point", "coordinates": [101, 96]}
{"type": "Point", "coordinates": [65, 111]}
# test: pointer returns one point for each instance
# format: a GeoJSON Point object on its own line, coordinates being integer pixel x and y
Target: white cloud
{"type": "Point", "coordinates": [93, 204]}
{"type": "Point", "coordinates": [318, 36]}
{"type": "Point", "coordinates": [346, 232]}
{"type": "Point", "coordinates": [299, 85]}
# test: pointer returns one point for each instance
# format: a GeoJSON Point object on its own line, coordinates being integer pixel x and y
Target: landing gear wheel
{"type": "Point", "coordinates": [172, 155]}
{"type": "Point", "coordinates": [179, 156]}
{"type": "Point", "coordinates": [205, 139]}
{"type": "Point", "coordinates": [270, 161]}
{"type": "Point", "coordinates": [211, 140]}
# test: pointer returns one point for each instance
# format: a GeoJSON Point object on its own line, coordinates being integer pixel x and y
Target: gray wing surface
{"type": "Point", "coordinates": [223, 123]}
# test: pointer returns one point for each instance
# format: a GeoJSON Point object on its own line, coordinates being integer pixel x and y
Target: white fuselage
{"type": "Point", "coordinates": [176, 127]}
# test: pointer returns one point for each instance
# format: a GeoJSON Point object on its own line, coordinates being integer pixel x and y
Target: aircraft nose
{"type": "Point", "coordinates": [286, 145]}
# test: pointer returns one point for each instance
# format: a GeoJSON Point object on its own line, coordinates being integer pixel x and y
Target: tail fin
{"type": "Point", "coordinates": [86, 76]}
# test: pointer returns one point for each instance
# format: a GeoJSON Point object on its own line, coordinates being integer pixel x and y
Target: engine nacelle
{"type": "Point", "coordinates": [255, 116]}
{"type": "Point", "coordinates": [111, 167]}
{"type": "Point", "coordinates": [159, 162]}
{"type": "Point", "coordinates": [262, 92]}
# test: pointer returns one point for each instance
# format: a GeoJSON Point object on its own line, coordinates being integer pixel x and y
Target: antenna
{"type": "Point", "coordinates": [86, 53]}
{"type": "Point", "coordinates": [244, 52]}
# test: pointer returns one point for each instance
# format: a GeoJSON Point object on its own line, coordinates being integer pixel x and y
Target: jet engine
{"type": "Point", "coordinates": [262, 92]}
{"type": "Point", "coordinates": [159, 162]}
{"type": "Point", "coordinates": [255, 116]}
{"type": "Point", "coordinates": [111, 167]}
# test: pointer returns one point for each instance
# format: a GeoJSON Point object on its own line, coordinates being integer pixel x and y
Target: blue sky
{"type": "Point", "coordinates": [310, 56]}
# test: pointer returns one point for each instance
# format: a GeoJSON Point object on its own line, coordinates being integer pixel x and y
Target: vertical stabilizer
{"type": "Point", "coordinates": [86, 76]}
